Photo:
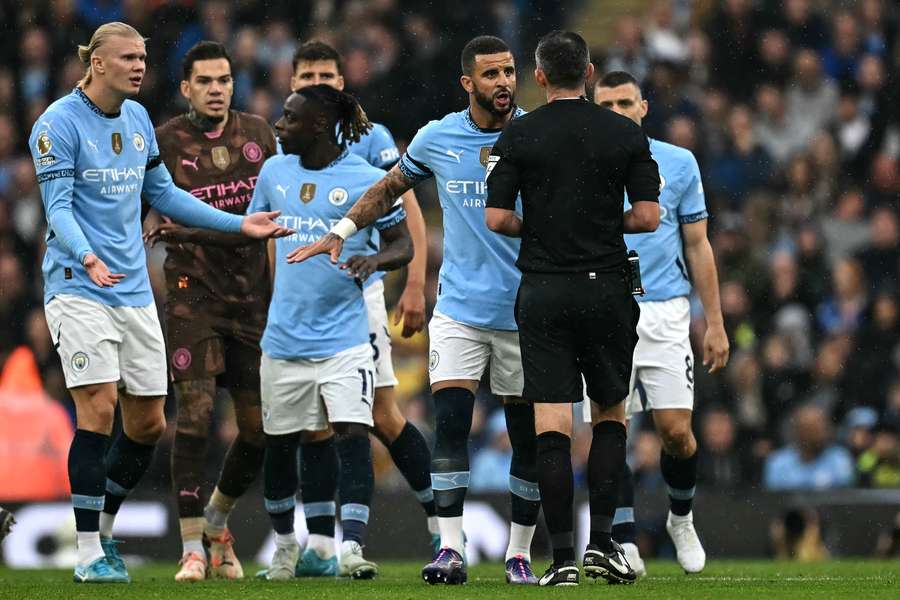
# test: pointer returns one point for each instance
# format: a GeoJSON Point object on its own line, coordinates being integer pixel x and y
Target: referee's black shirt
{"type": "Point", "coordinates": [571, 160]}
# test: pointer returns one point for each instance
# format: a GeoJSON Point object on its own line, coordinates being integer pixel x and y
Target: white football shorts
{"type": "Point", "coordinates": [107, 344]}
{"type": "Point", "coordinates": [460, 351]}
{"type": "Point", "coordinates": [379, 336]}
{"type": "Point", "coordinates": [307, 394]}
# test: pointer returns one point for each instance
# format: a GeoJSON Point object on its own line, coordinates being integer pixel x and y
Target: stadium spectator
{"type": "Point", "coordinates": [36, 434]}
{"type": "Point", "coordinates": [719, 463]}
{"type": "Point", "coordinates": [841, 57]}
{"type": "Point", "coordinates": [813, 461]}
{"type": "Point", "coordinates": [879, 467]}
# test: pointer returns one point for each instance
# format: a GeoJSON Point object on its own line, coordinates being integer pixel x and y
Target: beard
{"type": "Point", "coordinates": [487, 103]}
{"type": "Point", "coordinates": [204, 122]}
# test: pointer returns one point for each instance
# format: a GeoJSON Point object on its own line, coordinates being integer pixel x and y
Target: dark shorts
{"type": "Point", "coordinates": [224, 349]}
{"type": "Point", "coordinates": [573, 325]}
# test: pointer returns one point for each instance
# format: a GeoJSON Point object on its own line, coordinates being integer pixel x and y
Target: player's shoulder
{"type": "Point", "coordinates": [672, 153]}
{"type": "Point", "coordinates": [175, 124]}
{"type": "Point", "coordinates": [379, 131]}
{"type": "Point", "coordinates": [358, 166]}
{"type": "Point", "coordinates": [136, 110]}
{"type": "Point", "coordinates": [61, 112]}
{"type": "Point", "coordinates": [250, 121]}
{"type": "Point", "coordinates": [279, 161]}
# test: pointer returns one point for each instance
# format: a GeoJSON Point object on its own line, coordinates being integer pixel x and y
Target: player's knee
{"type": "Point", "coordinates": [678, 439]}
{"type": "Point", "coordinates": [194, 412]}
{"type": "Point", "coordinates": [149, 430]}
{"type": "Point", "coordinates": [389, 423]}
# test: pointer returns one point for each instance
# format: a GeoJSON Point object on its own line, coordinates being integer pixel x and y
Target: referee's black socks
{"type": "Point", "coordinates": [680, 475]}
{"type": "Point", "coordinates": [606, 463]}
{"type": "Point", "coordinates": [554, 461]}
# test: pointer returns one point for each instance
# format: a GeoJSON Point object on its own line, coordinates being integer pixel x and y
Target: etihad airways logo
{"type": "Point", "coordinates": [113, 175]}
{"type": "Point", "coordinates": [308, 229]}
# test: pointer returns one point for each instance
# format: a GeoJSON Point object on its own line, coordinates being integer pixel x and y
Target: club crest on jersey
{"type": "Point", "coordinates": [80, 362]}
{"type": "Point", "coordinates": [338, 196]}
{"type": "Point", "coordinates": [138, 141]}
{"type": "Point", "coordinates": [307, 192]}
{"type": "Point", "coordinates": [221, 157]}
{"type": "Point", "coordinates": [252, 152]}
{"type": "Point", "coordinates": [433, 360]}
{"type": "Point", "coordinates": [43, 143]}
{"type": "Point", "coordinates": [484, 154]}
{"type": "Point", "coordinates": [117, 142]}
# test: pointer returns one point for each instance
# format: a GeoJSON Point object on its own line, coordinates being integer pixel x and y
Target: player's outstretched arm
{"type": "Point", "coordinates": [375, 203]}
{"type": "Point", "coordinates": [702, 264]}
{"type": "Point", "coordinates": [162, 229]}
{"type": "Point", "coordinates": [170, 200]}
{"type": "Point", "coordinates": [411, 305]}
{"type": "Point", "coordinates": [396, 251]}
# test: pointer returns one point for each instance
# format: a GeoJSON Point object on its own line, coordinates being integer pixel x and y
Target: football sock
{"type": "Point", "coordinates": [450, 459]}
{"type": "Point", "coordinates": [188, 476]}
{"type": "Point", "coordinates": [322, 545]}
{"type": "Point", "coordinates": [451, 530]}
{"type": "Point", "coordinates": [126, 463]}
{"type": "Point", "coordinates": [412, 457]}
{"type": "Point", "coordinates": [555, 478]}
{"type": "Point", "coordinates": [191, 535]}
{"type": "Point", "coordinates": [87, 474]}
{"type": "Point", "coordinates": [242, 464]}
{"type": "Point", "coordinates": [217, 510]}
{"type": "Point", "coordinates": [623, 528]}
{"type": "Point", "coordinates": [680, 475]}
{"type": "Point", "coordinates": [280, 480]}
{"type": "Point", "coordinates": [605, 463]}
{"type": "Point", "coordinates": [525, 496]}
{"type": "Point", "coordinates": [319, 470]}
{"type": "Point", "coordinates": [356, 482]}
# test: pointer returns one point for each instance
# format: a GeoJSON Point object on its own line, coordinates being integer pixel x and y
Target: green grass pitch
{"type": "Point", "coordinates": [400, 581]}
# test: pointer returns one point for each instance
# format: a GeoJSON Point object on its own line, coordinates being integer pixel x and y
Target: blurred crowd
{"type": "Point", "coordinates": [791, 108]}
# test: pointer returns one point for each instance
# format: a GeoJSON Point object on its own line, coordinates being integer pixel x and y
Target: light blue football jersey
{"type": "Point", "coordinates": [479, 278]}
{"type": "Point", "coordinates": [92, 169]}
{"type": "Point", "coordinates": [663, 268]}
{"type": "Point", "coordinates": [317, 310]}
{"type": "Point", "coordinates": [378, 148]}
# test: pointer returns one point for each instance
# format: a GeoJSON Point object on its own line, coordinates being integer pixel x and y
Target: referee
{"type": "Point", "coordinates": [572, 161]}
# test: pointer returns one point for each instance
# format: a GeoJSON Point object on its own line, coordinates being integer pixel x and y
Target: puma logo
{"type": "Point", "coordinates": [93, 145]}
{"type": "Point", "coordinates": [47, 124]}
{"type": "Point", "coordinates": [188, 493]}
{"type": "Point", "coordinates": [455, 155]}
{"type": "Point", "coordinates": [190, 163]}
{"type": "Point", "coordinates": [283, 190]}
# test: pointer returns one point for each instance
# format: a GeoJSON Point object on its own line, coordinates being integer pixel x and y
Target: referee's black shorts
{"type": "Point", "coordinates": [574, 324]}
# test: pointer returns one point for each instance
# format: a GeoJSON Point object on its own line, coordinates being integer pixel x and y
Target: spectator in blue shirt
{"type": "Point", "coordinates": [813, 461]}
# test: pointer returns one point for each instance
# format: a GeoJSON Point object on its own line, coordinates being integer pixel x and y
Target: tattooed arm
{"type": "Point", "coordinates": [374, 204]}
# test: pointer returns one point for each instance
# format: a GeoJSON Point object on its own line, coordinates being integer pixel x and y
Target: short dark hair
{"type": "Point", "coordinates": [205, 50]}
{"type": "Point", "coordinates": [483, 44]}
{"type": "Point", "coordinates": [563, 57]}
{"type": "Point", "coordinates": [317, 50]}
{"type": "Point", "coordinates": [617, 78]}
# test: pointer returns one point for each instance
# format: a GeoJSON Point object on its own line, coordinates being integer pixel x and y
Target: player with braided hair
{"type": "Point", "coordinates": [317, 365]}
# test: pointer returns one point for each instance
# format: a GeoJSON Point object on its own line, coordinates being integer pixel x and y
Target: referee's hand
{"type": "Point", "coordinates": [715, 348]}
{"type": "Point", "coordinates": [329, 243]}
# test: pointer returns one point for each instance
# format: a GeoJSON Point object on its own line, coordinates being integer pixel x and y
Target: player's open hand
{"type": "Point", "coordinates": [262, 225]}
{"type": "Point", "coordinates": [329, 243]}
{"type": "Point", "coordinates": [360, 267]}
{"type": "Point", "coordinates": [715, 348]}
{"type": "Point", "coordinates": [167, 232]}
{"type": "Point", "coordinates": [411, 308]}
{"type": "Point", "coordinates": [99, 272]}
